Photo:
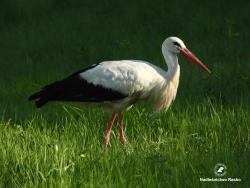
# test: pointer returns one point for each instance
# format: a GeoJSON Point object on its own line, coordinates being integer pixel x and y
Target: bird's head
{"type": "Point", "coordinates": [176, 46]}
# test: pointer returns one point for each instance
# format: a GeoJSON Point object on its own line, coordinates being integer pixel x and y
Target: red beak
{"type": "Point", "coordinates": [194, 59]}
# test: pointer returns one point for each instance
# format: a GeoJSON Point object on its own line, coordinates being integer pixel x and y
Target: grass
{"type": "Point", "coordinates": [165, 150]}
{"type": "Point", "coordinates": [62, 145]}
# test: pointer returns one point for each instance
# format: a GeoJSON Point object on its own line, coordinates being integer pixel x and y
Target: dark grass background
{"type": "Point", "coordinates": [42, 41]}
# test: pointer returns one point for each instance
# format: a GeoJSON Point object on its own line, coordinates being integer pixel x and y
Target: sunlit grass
{"type": "Point", "coordinates": [164, 149]}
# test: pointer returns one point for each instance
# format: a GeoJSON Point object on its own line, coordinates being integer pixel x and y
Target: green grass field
{"type": "Point", "coordinates": [61, 145]}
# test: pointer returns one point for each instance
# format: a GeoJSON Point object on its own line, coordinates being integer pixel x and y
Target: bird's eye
{"type": "Point", "coordinates": [177, 44]}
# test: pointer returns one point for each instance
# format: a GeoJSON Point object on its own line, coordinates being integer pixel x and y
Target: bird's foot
{"type": "Point", "coordinates": [107, 138]}
{"type": "Point", "coordinates": [122, 136]}
{"type": "Point", "coordinates": [123, 141]}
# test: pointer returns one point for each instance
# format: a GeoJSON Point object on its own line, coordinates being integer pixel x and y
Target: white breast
{"type": "Point", "coordinates": [165, 94]}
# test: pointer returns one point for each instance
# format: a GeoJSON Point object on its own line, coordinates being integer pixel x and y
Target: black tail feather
{"type": "Point", "coordinates": [39, 103]}
{"type": "Point", "coordinates": [40, 97]}
{"type": "Point", "coordinates": [45, 95]}
{"type": "Point", "coordinates": [75, 89]}
{"type": "Point", "coordinates": [35, 96]}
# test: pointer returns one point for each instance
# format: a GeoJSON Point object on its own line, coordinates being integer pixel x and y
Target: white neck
{"type": "Point", "coordinates": [168, 91]}
{"type": "Point", "coordinates": [171, 59]}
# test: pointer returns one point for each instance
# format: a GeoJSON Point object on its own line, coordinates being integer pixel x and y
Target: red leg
{"type": "Point", "coordinates": [109, 128]}
{"type": "Point", "coordinates": [121, 129]}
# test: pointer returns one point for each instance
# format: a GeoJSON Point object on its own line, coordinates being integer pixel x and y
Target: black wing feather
{"type": "Point", "coordinates": [75, 89]}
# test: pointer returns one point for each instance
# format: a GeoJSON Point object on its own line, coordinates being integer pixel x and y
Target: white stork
{"type": "Point", "coordinates": [117, 85]}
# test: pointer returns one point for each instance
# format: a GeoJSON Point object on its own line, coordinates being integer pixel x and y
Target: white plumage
{"type": "Point", "coordinates": [135, 79]}
{"type": "Point", "coordinates": [117, 85]}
